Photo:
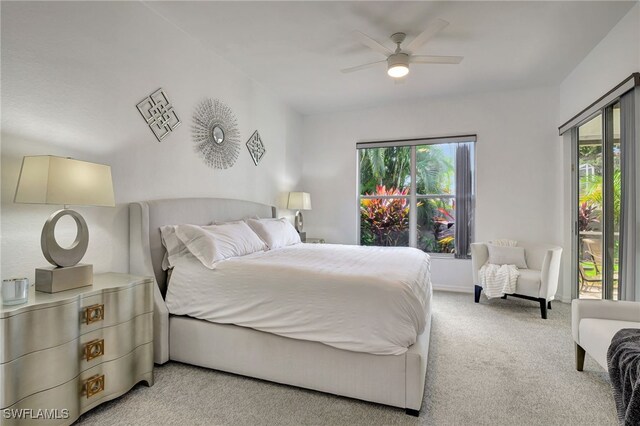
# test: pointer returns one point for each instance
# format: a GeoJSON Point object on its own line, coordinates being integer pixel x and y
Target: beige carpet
{"type": "Point", "coordinates": [496, 363]}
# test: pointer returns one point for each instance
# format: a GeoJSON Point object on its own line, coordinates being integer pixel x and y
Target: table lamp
{"type": "Point", "coordinates": [299, 201]}
{"type": "Point", "coordinates": [47, 179]}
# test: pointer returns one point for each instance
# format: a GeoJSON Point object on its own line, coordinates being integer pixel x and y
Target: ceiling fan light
{"type": "Point", "coordinates": [398, 65]}
{"type": "Point", "coordinates": [397, 71]}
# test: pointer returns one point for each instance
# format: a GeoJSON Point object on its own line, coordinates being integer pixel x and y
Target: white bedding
{"type": "Point", "coordinates": [363, 299]}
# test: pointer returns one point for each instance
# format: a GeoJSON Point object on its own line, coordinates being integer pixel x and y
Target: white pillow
{"type": "Point", "coordinates": [174, 247]}
{"type": "Point", "coordinates": [235, 239]}
{"type": "Point", "coordinates": [215, 222]}
{"type": "Point", "coordinates": [504, 255]}
{"type": "Point", "coordinates": [275, 232]}
{"type": "Point", "coordinates": [213, 243]}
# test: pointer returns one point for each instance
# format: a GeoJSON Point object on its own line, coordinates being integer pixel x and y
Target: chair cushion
{"type": "Point", "coordinates": [596, 334]}
{"type": "Point", "coordinates": [529, 282]}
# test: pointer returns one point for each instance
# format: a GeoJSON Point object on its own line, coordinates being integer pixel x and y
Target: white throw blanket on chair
{"type": "Point", "coordinates": [497, 280]}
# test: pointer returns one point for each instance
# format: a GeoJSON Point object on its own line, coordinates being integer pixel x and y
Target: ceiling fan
{"type": "Point", "coordinates": [398, 61]}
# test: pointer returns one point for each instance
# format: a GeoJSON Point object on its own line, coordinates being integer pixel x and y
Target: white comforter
{"type": "Point", "coordinates": [364, 299]}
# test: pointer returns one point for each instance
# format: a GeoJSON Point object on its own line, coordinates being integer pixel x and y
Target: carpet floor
{"type": "Point", "coordinates": [496, 363]}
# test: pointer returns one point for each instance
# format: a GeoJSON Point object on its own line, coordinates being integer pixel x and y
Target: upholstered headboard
{"type": "Point", "coordinates": [146, 250]}
{"type": "Point", "coordinates": [146, 218]}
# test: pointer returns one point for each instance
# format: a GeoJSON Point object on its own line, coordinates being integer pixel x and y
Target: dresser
{"type": "Point", "coordinates": [64, 353]}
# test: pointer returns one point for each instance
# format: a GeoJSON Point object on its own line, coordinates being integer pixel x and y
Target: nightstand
{"type": "Point", "coordinates": [316, 240]}
{"type": "Point", "coordinates": [64, 353]}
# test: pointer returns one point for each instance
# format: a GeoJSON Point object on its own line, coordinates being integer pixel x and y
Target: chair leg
{"type": "Point", "coordinates": [543, 308]}
{"type": "Point", "coordinates": [477, 293]}
{"type": "Point", "coordinates": [579, 357]}
{"type": "Point", "coordinates": [410, 412]}
{"type": "Point", "coordinates": [549, 305]}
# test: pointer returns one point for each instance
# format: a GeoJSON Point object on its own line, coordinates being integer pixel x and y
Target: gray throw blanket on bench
{"type": "Point", "coordinates": [623, 360]}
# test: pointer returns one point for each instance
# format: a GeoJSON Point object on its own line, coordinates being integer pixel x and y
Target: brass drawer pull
{"type": "Point", "coordinates": [94, 385]}
{"type": "Point", "coordinates": [94, 349]}
{"type": "Point", "coordinates": [93, 313]}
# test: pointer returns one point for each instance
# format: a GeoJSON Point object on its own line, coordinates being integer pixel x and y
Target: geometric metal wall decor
{"type": "Point", "coordinates": [256, 147]}
{"type": "Point", "coordinates": [215, 134]}
{"type": "Point", "coordinates": [158, 112]}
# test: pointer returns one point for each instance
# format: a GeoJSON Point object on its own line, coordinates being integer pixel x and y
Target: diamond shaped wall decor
{"type": "Point", "coordinates": [256, 147]}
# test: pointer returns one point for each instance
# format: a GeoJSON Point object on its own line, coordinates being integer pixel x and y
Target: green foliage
{"type": "Point", "coordinates": [587, 217]}
{"type": "Point", "coordinates": [384, 221]}
{"type": "Point", "coordinates": [434, 170]}
{"type": "Point", "coordinates": [592, 193]}
{"type": "Point", "coordinates": [436, 226]}
{"type": "Point", "coordinates": [391, 167]}
{"type": "Point", "coordinates": [592, 155]}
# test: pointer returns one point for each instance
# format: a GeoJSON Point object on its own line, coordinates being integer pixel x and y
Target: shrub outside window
{"type": "Point", "coordinates": [417, 193]}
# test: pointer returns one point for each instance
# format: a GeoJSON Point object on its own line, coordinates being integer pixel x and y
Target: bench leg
{"type": "Point", "coordinates": [477, 295]}
{"type": "Point", "coordinates": [504, 296]}
{"type": "Point", "coordinates": [579, 357]}
{"type": "Point", "coordinates": [543, 308]}
{"type": "Point", "coordinates": [549, 305]}
{"type": "Point", "coordinates": [414, 413]}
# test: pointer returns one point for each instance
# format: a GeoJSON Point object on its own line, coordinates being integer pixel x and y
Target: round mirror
{"type": "Point", "coordinates": [218, 135]}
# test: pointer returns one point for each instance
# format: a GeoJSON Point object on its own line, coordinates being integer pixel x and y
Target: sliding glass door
{"type": "Point", "coordinates": [598, 204]}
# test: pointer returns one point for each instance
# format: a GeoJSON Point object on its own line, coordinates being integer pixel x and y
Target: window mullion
{"type": "Point", "coordinates": [413, 213]}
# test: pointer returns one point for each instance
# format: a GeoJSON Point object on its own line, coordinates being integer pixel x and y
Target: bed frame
{"type": "Point", "coordinates": [396, 380]}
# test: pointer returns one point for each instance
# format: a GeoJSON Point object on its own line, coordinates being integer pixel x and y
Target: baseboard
{"type": "Point", "coordinates": [467, 289]}
{"type": "Point", "coordinates": [453, 288]}
{"type": "Point", "coordinates": [562, 298]}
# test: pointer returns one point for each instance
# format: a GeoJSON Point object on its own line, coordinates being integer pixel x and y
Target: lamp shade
{"type": "Point", "coordinates": [46, 179]}
{"type": "Point", "coordinates": [299, 201]}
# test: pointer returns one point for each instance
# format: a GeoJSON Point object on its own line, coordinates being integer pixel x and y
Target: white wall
{"type": "Point", "coordinates": [614, 59]}
{"type": "Point", "coordinates": [72, 74]}
{"type": "Point", "coordinates": [518, 166]}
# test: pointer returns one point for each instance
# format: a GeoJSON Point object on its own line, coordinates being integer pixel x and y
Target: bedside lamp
{"type": "Point", "coordinates": [48, 179]}
{"type": "Point", "coordinates": [299, 201]}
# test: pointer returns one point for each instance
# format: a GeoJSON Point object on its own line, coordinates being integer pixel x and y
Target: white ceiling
{"type": "Point", "coordinates": [298, 48]}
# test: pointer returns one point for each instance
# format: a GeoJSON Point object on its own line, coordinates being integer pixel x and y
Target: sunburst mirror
{"type": "Point", "coordinates": [215, 134]}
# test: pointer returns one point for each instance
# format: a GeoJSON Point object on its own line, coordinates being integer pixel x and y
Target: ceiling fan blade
{"type": "Point", "coordinates": [431, 59]}
{"type": "Point", "coordinates": [434, 28]}
{"type": "Point", "coordinates": [372, 44]}
{"type": "Point", "coordinates": [362, 67]}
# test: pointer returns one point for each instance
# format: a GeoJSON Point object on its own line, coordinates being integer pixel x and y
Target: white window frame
{"type": "Point", "coordinates": [412, 197]}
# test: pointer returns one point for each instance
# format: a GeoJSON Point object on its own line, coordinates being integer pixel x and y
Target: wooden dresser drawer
{"type": "Point", "coordinates": [109, 380]}
{"type": "Point", "coordinates": [46, 327]}
{"type": "Point", "coordinates": [45, 369]}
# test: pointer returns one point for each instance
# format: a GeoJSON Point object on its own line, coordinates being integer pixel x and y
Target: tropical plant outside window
{"type": "Point", "coordinates": [408, 196]}
{"type": "Point", "coordinates": [593, 153]}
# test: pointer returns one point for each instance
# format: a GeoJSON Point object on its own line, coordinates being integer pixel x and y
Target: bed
{"type": "Point", "coordinates": [395, 379]}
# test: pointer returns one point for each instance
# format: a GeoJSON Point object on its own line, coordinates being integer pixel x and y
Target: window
{"type": "Point", "coordinates": [417, 193]}
{"type": "Point", "coordinates": [604, 141]}
{"type": "Point", "coordinates": [598, 203]}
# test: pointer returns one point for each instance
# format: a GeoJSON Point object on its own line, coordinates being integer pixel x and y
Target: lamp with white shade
{"type": "Point", "coordinates": [48, 179]}
{"type": "Point", "coordinates": [299, 201]}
